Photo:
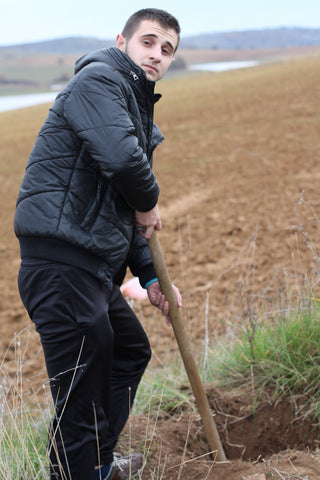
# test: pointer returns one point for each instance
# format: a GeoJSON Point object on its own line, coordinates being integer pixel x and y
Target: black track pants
{"type": "Point", "coordinates": [95, 351]}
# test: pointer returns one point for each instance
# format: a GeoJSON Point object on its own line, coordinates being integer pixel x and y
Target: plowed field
{"type": "Point", "coordinates": [239, 177]}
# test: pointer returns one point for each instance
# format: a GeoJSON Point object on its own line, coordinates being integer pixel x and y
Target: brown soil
{"type": "Point", "coordinates": [240, 197]}
{"type": "Point", "coordinates": [261, 441]}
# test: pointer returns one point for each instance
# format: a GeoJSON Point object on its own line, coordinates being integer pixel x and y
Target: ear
{"type": "Point", "coordinates": [121, 42]}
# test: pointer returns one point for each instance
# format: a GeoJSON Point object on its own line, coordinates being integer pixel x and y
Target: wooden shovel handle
{"type": "Point", "coordinates": [185, 348]}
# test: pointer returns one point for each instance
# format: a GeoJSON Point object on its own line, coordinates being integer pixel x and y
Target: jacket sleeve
{"type": "Point", "coordinates": [139, 260]}
{"type": "Point", "coordinates": [97, 111]}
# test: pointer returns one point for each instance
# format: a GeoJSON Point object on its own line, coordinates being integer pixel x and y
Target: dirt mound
{"type": "Point", "coordinates": [251, 439]}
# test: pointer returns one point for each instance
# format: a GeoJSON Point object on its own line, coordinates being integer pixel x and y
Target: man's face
{"type": "Point", "coordinates": [151, 47]}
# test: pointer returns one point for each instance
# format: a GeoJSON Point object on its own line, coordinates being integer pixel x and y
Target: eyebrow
{"type": "Point", "coordinates": [156, 36]}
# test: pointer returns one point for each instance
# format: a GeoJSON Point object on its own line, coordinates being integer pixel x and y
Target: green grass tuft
{"type": "Point", "coordinates": [282, 354]}
{"type": "Point", "coordinates": [164, 389]}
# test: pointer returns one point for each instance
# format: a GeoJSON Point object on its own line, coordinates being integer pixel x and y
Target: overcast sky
{"type": "Point", "coordinates": [32, 20]}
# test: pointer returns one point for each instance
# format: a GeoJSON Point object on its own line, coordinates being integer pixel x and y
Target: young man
{"type": "Point", "coordinates": [87, 204]}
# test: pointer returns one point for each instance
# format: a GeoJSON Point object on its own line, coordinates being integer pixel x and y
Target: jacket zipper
{"type": "Point", "coordinates": [135, 76]}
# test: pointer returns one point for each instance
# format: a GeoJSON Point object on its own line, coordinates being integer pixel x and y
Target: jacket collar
{"type": "Point", "coordinates": [121, 62]}
{"type": "Point", "coordinates": [134, 74]}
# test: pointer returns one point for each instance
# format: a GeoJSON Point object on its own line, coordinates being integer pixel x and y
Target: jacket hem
{"type": "Point", "coordinates": [61, 252]}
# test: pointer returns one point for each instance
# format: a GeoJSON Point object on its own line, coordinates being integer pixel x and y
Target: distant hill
{"type": "Point", "coordinates": [60, 46]}
{"type": "Point", "coordinates": [242, 40]}
{"type": "Point", "coordinates": [254, 39]}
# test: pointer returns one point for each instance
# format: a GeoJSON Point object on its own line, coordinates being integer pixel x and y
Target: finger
{"type": "Point", "coordinates": [158, 225]}
{"type": "Point", "coordinates": [161, 303]}
{"type": "Point", "coordinates": [141, 230]}
{"type": "Point", "coordinates": [156, 300]}
{"type": "Point", "coordinates": [178, 296]}
{"type": "Point", "coordinates": [165, 309]}
{"type": "Point", "coordinates": [149, 231]}
{"type": "Point", "coordinates": [179, 300]}
{"type": "Point", "coordinates": [146, 232]}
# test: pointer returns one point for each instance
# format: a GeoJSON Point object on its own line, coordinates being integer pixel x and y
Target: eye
{"type": "Point", "coordinates": [167, 50]}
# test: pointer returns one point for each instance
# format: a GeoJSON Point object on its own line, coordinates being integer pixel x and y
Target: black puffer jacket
{"type": "Point", "coordinates": [90, 169]}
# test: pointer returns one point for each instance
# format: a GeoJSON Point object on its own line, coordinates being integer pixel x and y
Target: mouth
{"type": "Point", "coordinates": [151, 67]}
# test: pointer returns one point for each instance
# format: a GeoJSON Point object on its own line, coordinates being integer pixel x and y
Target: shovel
{"type": "Point", "coordinates": [185, 348]}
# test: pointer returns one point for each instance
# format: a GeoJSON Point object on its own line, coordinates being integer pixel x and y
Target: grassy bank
{"type": "Point", "coordinates": [281, 355]}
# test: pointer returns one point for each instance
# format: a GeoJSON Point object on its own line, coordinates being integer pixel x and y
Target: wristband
{"type": "Point", "coordinates": [150, 282]}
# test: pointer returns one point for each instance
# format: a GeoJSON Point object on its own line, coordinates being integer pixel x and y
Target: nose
{"type": "Point", "coordinates": [155, 54]}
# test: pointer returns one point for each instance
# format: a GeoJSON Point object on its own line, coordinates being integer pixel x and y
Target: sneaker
{"type": "Point", "coordinates": [125, 467]}
{"type": "Point", "coordinates": [104, 473]}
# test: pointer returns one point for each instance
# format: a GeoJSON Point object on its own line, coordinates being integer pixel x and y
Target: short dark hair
{"type": "Point", "coordinates": [165, 19]}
